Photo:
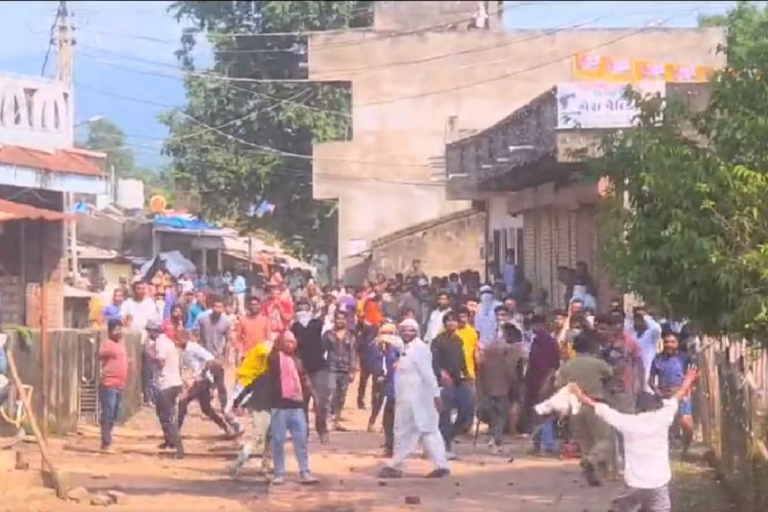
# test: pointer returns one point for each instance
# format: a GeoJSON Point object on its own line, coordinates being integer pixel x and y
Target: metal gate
{"type": "Point", "coordinates": [88, 409]}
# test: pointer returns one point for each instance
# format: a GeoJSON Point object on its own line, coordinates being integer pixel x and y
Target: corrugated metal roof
{"type": "Point", "coordinates": [90, 252]}
{"type": "Point", "coordinates": [57, 161]}
{"type": "Point", "coordinates": [17, 211]}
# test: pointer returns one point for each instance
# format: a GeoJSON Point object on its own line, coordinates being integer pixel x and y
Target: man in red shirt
{"type": "Point", "coordinates": [114, 374]}
{"type": "Point", "coordinates": [279, 312]}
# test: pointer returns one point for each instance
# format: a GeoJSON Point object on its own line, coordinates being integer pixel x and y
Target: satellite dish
{"type": "Point", "coordinates": [157, 204]}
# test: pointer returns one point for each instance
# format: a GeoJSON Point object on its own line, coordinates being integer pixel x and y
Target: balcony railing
{"type": "Point", "coordinates": [35, 113]}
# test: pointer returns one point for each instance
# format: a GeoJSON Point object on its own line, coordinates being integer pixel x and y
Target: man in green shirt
{"type": "Point", "coordinates": [593, 435]}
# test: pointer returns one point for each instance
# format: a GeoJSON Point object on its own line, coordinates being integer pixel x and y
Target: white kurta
{"type": "Point", "coordinates": [416, 417]}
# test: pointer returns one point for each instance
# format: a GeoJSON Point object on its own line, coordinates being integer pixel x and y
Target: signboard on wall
{"type": "Point", "coordinates": [599, 104]}
{"type": "Point", "coordinates": [356, 246]}
{"type": "Point", "coordinates": [595, 67]}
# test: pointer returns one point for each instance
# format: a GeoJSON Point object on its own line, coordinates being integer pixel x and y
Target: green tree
{"type": "Point", "coordinates": [238, 142]}
{"type": "Point", "coordinates": [693, 237]}
{"type": "Point", "coordinates": [106, 136]}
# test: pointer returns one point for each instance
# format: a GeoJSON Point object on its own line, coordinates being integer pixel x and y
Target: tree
{"type": "Point", "coordinates": [693, 237]}
{"type": "Point", "coordinates": [238, 142]}
{"type": "Point", "coordinates": [106, 136]}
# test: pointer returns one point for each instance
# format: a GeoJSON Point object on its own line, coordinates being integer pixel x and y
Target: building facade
{"type": "Point", "coordinates": [38, 166]}
{"type": "Point", "coordinates": [541, 183]}
{"type": "Point", "coordinates": [425, 76]}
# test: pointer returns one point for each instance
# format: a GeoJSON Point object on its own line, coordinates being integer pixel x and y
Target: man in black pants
{"type": "Point", "coordinates": [369, 356]}
{"type": "Point", "coordinates": [391, 355]}
{"type": "Point", "coordinates": [206, 371]}
{"type": "Point", "coordinates": [308, 332]}
{"type": "Point", "coordinates": [163, 354]}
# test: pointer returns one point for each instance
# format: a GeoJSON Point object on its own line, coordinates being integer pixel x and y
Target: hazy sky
{"type": "Point", "coordinates": [125, 67]}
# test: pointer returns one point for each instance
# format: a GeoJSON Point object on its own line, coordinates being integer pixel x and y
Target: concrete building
{"type": "Point", "coordinates": [425, 76]}
{"type": "Point", "coordinates": [38, 164]}
{"type": "Point", "coordinates": [560, 224]}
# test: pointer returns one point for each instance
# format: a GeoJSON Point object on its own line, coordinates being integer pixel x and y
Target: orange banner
{"type": "Point", "coordinates": [647, 70]}
{"type": "Point", "coordinates": [588, 67]}
{"type": "Point", "coordinates": [593, 67]}
{"type": "Point", "coordinates": [619, 70]}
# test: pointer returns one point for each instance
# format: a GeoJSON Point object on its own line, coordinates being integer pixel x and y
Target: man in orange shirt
{"type": "Point", "coordinates": [252, 329]}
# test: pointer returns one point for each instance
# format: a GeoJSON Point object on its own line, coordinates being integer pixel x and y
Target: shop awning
{"type": "Point", "coordinates": [10, 210]}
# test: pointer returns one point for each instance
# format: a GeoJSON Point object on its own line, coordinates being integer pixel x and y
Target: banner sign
{"type": "Point", "coordinates": [593, 67]}
{"type": "Point", "coordinates": [600, 104]}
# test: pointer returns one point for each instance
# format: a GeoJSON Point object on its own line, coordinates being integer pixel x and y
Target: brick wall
{"type": "Point", "coordinates": [450, 244]}
{"type": "Point", "coordinates": [32, 250]}
{"type": "Point", "coordinates": [49, 263]}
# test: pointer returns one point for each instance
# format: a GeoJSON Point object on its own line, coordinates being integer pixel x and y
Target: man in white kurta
{"type": "Point", "coordinates": [417, 401]}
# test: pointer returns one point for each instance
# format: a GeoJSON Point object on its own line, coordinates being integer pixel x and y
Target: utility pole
{"type": "Point", "coordinates": [65, 63]}
{"type": "Point", "coordinates": [64, 74]}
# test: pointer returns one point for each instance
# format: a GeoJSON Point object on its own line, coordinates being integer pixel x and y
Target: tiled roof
{"type": "Point", "coordinates": [62, 160]}
{"type": "Point", "coordinates": [17, 211]}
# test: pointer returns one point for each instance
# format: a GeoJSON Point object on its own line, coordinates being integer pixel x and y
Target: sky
{"type": "Point", "coordinates": [125, 69]}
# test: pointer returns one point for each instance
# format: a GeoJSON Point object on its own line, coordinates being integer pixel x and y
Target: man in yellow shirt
{"type": "Point", "coordinates": [470, 341]}
{"type": "Point", "coordinates": [252, 383]}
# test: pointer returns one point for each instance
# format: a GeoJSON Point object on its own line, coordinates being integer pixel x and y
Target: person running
{"type": "Point", "coordinates": [256, 394]}
{"type": "Point", "coordinates": [214, 332]}
{"type": "Point", "coordinates": [202, 365]}
{"type": "Point", "coordinates": [590, 373]}
{"type": "Point", "coordinates": [647, 470]}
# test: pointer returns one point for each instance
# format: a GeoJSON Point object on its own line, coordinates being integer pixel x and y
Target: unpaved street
{"type": "Point", "coordinates": [347, 468]}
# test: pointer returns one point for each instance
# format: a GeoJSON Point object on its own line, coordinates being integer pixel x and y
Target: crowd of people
{"type": "Point", "coordinates": [431, 358]}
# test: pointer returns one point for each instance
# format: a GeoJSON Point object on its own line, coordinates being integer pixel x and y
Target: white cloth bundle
{"type": "Point", "coordinates": [563, 403]}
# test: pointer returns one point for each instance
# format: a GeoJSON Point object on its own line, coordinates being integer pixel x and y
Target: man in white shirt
{"type": "Point", "coordinates": [647, 333]}
{"type": "Point", "coordinates": [163, 355]}
{"type": "Point", "coordinates": [435, 322]}
{"type": "Point", "coordinates": [647, 471]}
{"type": "Point", "coordinates": [137, 312]}
{"type": "Point", "coordinates": [201, 363]}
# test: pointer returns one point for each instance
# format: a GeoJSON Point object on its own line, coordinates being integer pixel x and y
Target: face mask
{"type": "Point", "coordinates": [303, 317]}
{"type": "Point", "coordinates": [486, 299]}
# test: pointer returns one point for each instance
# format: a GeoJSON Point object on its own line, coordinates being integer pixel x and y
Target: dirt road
{"type": "Point", "coordinates": [347, 468]}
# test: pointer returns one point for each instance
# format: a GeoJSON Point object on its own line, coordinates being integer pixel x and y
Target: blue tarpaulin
{"type": "Point", "coordinates": [191, 224]}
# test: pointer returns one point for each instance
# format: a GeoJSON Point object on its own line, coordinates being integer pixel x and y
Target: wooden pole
{"type": "Point", "coordinates": [45, 352]}
{"type": "Point", "coordinates": [58, 480]}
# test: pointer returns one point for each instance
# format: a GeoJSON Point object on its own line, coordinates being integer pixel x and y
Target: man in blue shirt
{"type": "Point", "coordinates": [112, 312]}
{"type": "Point", "coordinates": [647, 333]}
{"type": "Point", "coordinates": [239, 287]}
{"type": "Point", "coordinates": [197, 307]}
{"type": "Point", "coordinates": [666, 376]}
